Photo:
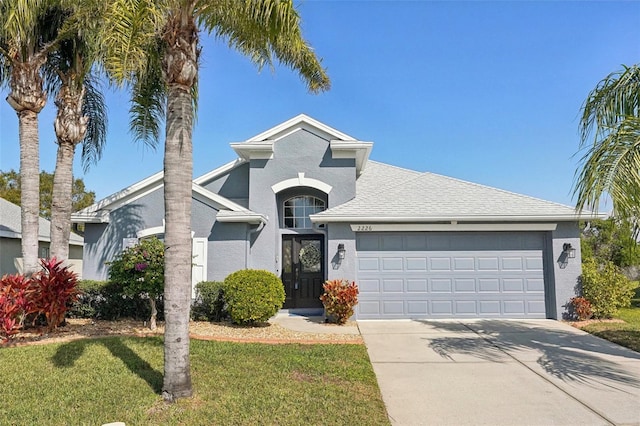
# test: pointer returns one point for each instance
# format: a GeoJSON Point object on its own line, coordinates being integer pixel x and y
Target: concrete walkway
{"type": "Point", "coordinates": [494, 372]}
{"type": "Point", "coordinates": [312, 321]}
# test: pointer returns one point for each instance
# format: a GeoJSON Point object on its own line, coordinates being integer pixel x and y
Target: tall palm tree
{"type": "Point", "coordinates": [610, 165]}
{"type": "Point", "coordinates": [155, 44]}
{"type": "Point", "coordinates": [28, 31]}
{"type": "Point", "coordinates": [81, 117]}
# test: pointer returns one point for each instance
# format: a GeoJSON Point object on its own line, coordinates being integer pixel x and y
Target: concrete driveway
{"type": "Point", "coordinates": [497, 372]}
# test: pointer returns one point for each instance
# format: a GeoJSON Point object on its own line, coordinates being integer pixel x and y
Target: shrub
{"type": "Point", "coordinates": [581, 308]}
{"type": "Point", "coordinates": [140, 271]}
{"type": "Point", "coordinates": [14, 304]}
{"type": "Point", "coordinates": [605, 288]}
{"type": "Point", "coordinates": [338, 299]}
{"type": "Point", "coordinates": [104, 300]}
{"type": "Point", "coordinates": [209, 304]}
{"type": "Point", "coordinates": [253, 295]}
{"type": "Point", "coordinates": [51, 290]}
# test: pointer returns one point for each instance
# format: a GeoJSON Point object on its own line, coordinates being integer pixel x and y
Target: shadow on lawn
{"type": "Point", "coordinates": [68, 353]}
{"type": "Point", "coordinates": [564, 355]}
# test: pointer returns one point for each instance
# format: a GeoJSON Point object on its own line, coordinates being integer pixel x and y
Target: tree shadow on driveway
{"type": "Point", "coordinates": [565, 355]}
{"type": "Point", "coordinates": [68, 353]}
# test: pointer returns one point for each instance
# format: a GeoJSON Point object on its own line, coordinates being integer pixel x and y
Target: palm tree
{"type": "Point", "coordinates": [28, 31]}
{"type": "Point", "coordinates": [81, 117]}
{"type": "Point", "coordinates": [156, 46]}
{"type": "Point", "coordinates": [610, 164]}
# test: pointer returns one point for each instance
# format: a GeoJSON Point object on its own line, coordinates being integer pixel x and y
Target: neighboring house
{"type": "Point", "coordinates": [304, 201]}
{"type": "Point", "coordinates": [11, 241]}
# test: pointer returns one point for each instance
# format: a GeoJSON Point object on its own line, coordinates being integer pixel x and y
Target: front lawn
{"type": "Point", "coordinates": [96, 381]}
{"type": "Point", "coordinates": [625, 333]}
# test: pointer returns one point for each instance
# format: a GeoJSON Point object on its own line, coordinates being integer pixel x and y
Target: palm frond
{"type": "Point", "coordinates": [612, 166]}
{"type": "Point", "coordinates": [130, 29]}
{"type": "Point", "coordinates": [262, 31]}
{"type": "Point", "coordinates": [95, 108]}
{"type": "Point", "coordinates": [616, 97]}
{"type": "Point", "coordinates": [148, 102]}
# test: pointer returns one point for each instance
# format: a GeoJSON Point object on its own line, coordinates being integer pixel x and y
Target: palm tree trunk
{"type": "Point", "coordinates": [70, 126]}
{"type": "Point", "coordinates": [61, 201]}
{"type": "Point", "coordinates": [30, 187]}
{"type": "Point", "coordinates": [28, 98]}
{"type": "Point", "coordinates": [180, 71]}
{"type": "Point", "coordinates": [178, 165]}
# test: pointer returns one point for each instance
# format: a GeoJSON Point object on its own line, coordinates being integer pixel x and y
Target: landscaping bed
{"type": "Point", "coordinates": [269, 332]}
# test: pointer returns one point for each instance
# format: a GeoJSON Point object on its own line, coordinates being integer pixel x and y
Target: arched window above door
{"type": "Point", "coordinates": [296, 211]}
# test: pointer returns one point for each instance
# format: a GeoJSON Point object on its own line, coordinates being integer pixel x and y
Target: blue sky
{"type": "Point", "coordinates": [488, 92]}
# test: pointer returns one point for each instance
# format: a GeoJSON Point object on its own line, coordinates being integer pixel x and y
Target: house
{"type": "Point", "coordinates": [304, 201]}
{"type": "Point", "coordinates": [11, 241]}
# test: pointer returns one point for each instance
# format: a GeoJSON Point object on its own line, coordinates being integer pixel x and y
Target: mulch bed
{"type": "Point", "coordinates": [75, 329]}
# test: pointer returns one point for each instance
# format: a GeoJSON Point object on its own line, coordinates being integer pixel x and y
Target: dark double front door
{"type": "Point", "coordinates": [302, 270]}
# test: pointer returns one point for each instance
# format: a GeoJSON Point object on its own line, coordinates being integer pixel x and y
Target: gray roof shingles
{"type": "Point", "coordinates": [10, 222]}
{"type": "Point", "coordinates": [388, 192]}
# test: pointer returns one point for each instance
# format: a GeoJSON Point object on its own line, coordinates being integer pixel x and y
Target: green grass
{"type": "Point", "coordinates": [626, 333]}
{"type": "Point", "coordinates": [103, 380]}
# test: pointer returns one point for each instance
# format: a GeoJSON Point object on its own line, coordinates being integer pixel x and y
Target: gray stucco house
{"type": "Point", "coordinates": [304, 201]}
{"type": "Point", "coordinates": [11, 241]}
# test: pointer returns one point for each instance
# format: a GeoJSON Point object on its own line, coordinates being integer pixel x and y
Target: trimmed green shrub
{"type": "Point", "coordinates": [606, 288]}
{"type": "Point", "coordinates": [104, 300]}
{"type": "Point", "coordinates": [253, 295]}
{"type": "Point", "coordinates": [339, 298]}
{"type": "Point", "coordinates": [209, 304]}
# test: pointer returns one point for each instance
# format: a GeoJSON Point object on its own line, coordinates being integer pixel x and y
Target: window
{"type": "Point", "coordinates": [298, 209]}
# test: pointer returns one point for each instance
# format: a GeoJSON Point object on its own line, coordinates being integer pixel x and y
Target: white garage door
{"type": "Point", "coordinates": [450, 275]}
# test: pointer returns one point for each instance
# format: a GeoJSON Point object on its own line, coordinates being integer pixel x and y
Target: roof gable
{"type": "Point", "coordinates": [260, 147]}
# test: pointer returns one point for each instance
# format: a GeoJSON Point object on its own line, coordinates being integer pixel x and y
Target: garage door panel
{"type": "Point", "coordinates": [489, 308]}
{"type": "Point", "coordinates": [512, 264]}
{"type": "Point", "coordinates": [369, 286]}
{"type": "Point", "coordinates": [417, 264]}
{"type": "Point", "coordinates": [488, 285]}
{"type": "Point", "coordinates": [513, 285]}
{"type": "Point", "coordinates": [417, 285]}
{"type": "Point", "coordinates": [393, 286]}
{"type": "Point", "coordinates": [393, 307]}
{"type": "Point", "coordinates": [445, 275]}
{"type": "Point", "coordinates": [418, 307]}
{"type": "Point", "coordinates": [441, 285]}
{"type": "Point", "coordinates": [368, 264]}
{"type": "Point", "coordinates": [535, 285]}
{"type": "Point", "coordinates": [465, 285]}
{"type": "Point", "coordinates": [464, 264]}
{"type": "Point", "coordinates": [392, 264]}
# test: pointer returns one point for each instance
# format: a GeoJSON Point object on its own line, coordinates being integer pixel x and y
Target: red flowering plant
{"type": "Point", "coordinates": [339, 298]}
{"type": "Point", "coordinates": [51, 290]}
{"type": "Point", "coordinates": [140, 272]}
{"type": "Point", "coordinates": [15, 304]}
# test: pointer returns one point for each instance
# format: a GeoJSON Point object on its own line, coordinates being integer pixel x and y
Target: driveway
{"type": "Point", "coordinates": [501, 372]}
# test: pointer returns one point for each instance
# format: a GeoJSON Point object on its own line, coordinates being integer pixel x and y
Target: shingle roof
{"type": "Point", "coordinates": [385, 193]}
{"type": "Point", "coordinates": [11, 226]}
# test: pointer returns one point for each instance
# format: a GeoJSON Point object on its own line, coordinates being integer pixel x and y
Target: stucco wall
{"type": "Point", "coordinates": [300, 152]}
{"type": "Point", "coordinates": [340, 233]}
{"type": "Point", "coordinates": [566, 272]}
{"type": "Point", "coordinates": [104, 241]}
{"type": "Point", "coordinates": [233, 185]}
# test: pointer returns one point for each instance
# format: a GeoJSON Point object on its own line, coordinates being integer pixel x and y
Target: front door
{"type": "Point", "coordinates": [302, 270]}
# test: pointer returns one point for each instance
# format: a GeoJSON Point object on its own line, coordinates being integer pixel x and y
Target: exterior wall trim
{"type": "Point", "coordinates": [301, 180]}
{"type": "Point", "coordinates": [454, 227]}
